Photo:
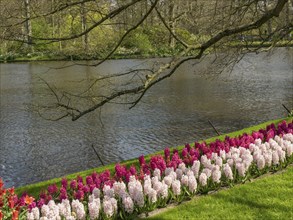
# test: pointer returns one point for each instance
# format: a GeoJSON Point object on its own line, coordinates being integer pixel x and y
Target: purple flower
{"type": "Point", "coordinates": [141, 160]}
{"type": "Point", "coordinates": [73, 184]}
{"type": "Point", "coordinates": [167, 153]}
{"type": "Point", "coordinates": [79, 186]}
{"type": "Point", "coordinates": [132, 170]}
{"type": "Point", "coordinates": [64, 183]}
{"type": "Point", "coordinates": [52, 189]}
{"type": "Point", "coordinates": [120, 171]}
{"type": "Point", "coordinates": [187, 146]}
{"type": "Point", "coordinates": [31, 206]}
{"type": "Point", "coordinates": [41, 202]}
{"type": "Point", "coordinates": [92, 187]}
{"type": "Point", "coordinates": [184, 152]}
{"type": "Point", "coordinates": [43, 195]}
{"type": "Point", "coordinates": [95, 176]}
{"type": "Point", "coordinates": [89, 180]}
{"type": "Point", "coordinates": [86, 189]}
{"type": "Point", "coordinates": [79, 195]}
{"type": "Point", "coordinates": [63, 190]}
{"type": "Point", "coordinates": [63, 196]}
{"type": "Point", "coordinates": [79, 179]}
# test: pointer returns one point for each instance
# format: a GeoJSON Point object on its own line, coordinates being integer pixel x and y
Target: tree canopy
{"type": "Point", "coordinates": [102, 29]}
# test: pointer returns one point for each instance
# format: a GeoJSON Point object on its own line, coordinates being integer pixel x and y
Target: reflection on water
{"type": "Point", "coordinates": [172, 113]}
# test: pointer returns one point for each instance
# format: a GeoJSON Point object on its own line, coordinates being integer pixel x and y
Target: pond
{"type": "Point", "coordinates": [173, 113]}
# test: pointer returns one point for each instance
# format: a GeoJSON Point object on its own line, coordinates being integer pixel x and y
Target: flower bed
{"type": "Point", "coordinates": [164, 179]}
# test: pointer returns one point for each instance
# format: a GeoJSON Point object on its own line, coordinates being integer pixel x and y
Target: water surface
{"type": "Point", "coordinates": [172, 113]}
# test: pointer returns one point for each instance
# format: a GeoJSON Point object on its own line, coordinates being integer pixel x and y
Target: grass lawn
{"type": "Point", "coordinates": [268, 197]}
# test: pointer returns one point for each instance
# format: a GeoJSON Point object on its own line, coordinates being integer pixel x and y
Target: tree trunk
{"type": "Point", "coordinates": [28, 25]}
{"type": "Point", "coordinates": [172, 23]}
{"type": "Point", "coordinates": [83, 28]}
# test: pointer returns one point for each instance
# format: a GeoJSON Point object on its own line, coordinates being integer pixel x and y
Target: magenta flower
{"type": "Point", "coordinates": [120, 171]}
{"type": "Point", "coordinates": [63, 196]}
{"type": "Point", "coordinates": [89, 180]}
{"type": "Point", "coordinates": [43, 195]}
{"type": "Point", "coordinates": [64, 183]}
{"type": "Point", "coordinates": [31, 206]}
{"type": "Point", "coordinates": [79, 179]}
{"type": "Point", "coordinates": [92, 187]}
{"type": "Point", "coordinates": [52, 189]}
{"type": "Point", "coordinates": [79, 195]}
{"type": "Point", "coordinates": [167, 153]}
{"type": "Point", "coordinates": [73, 184]}
{"type": "Point", "coordinates": [132, 170]}
{"type": "Point", "coordinates": [95, 176]}
{"type": "Point", "coordinates": [184, 152]}
{"type": "Point", "coordinates": [86, 189]}
{"type": "Point", "coordinates": [141, 160]}
{"type": "Point", "coordinates": [41, 202]}
{"type": "Point", "coordinates": [79, 186]}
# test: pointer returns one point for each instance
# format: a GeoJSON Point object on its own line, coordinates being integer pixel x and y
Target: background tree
{"type": "Point", "coordinates": [223, 29]}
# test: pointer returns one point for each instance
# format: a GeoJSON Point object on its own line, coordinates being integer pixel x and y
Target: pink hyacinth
{"type": "Point", "coordinates": [216, 175]}
{"type": "Point", "coordinates": [176, 187]}
{"type": "Point", "coordinates": [192, 184]}
{"type": "Point", "coordinates": [275, 158]}
{"type": "Point", "coordinates": [184, 180]}
{"type": "Point", "coordinates": [228, 172]}
{"type": "Point", "coordinates": [261, 162]}
{"type": "Point", "coordinates": [168, 180]}
{"type": "Point", "coordinates": [128, 204]}
{"type": "Point", "coordinates": [195, 168]}
{"type": "Point", "coordinates": [94, 208]}
{"type": "Point", "coordinates": [203, 179]}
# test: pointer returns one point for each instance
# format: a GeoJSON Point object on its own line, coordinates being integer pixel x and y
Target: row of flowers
{"type": "Point", "coordinates": [167, 178]}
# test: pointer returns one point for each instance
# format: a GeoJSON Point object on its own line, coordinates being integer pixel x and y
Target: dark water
{"type": "Point", "coordinates": [173, 113]}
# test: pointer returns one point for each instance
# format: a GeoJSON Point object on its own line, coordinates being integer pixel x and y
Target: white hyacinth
{"type": "Point", "coordinates": [179, 173]}
{"type": "Point", "coordinates": [216, 175]}
{"type": "Point", "coordinates": [223, 154]}
{"type": "Point", "coordinates": [78, 209]}
{"type": "Point", "coordinates": [168, 180]}
{"type": "Point", "coordinates": [108, 191]}
{"type": "Point", "coordinates": [94, 208]}
{"type": "Point", "coordinates": [275, 158]}
{"type": "Point", "coordinates": [195, 168]}
{"type": "Point", "coordinates": [152, 195]}
{"type": "Point", "coordinates": [65, 208]}
{"type": "Point", "coordinates": [108, 207]}
{"type": "Point", "coordinates": [228, 171]}
{"type": "Point", "coordinates": [168, 170]}
{"type": "Point", "coordinates": [157, 173]}
{"type": "Point", "coordinates": [205, 161]}
{"type": "Point", "coordinates": [207, 171]}
{"type": "Point", "coordinates": [34, 214]}
{"type": "Point", "coordinates": [182, 167]}
{"type": "Point", "coordinates": [219, 161]}
{"type": "Point", "coordinates": [176, 187]}
{"type": "Point", "coordinates": [164, 191]}
{"type": "Point", "coordinates": [184, 180]}
{"type": "Point", "coordinates": [128, 204]}
{"type": "Point", "coordinates": [241, 169]}
{"type": "Point", "coordinates": [192, 184]}
{"type": "Point", "coordinates": [261, 162]}
{"type": "Point", "coordinates": [96, 192]}
{"type": "Point", "coordinates": [157, 186]}
{"type": "Point", "coordinates": [203, 179]}
{"type": "Point", "coordinates": [119, 189]}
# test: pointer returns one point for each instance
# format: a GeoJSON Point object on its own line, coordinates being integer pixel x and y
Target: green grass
{"type": "Point", "coordinates": [269, 197]}
{"type": "Point", "coordinates": [35, 189]}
